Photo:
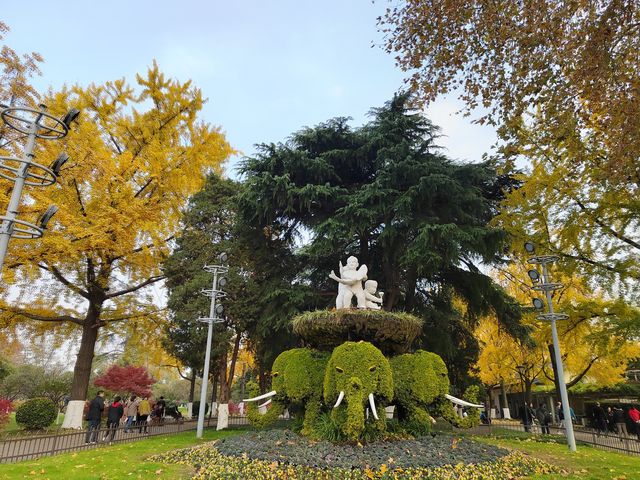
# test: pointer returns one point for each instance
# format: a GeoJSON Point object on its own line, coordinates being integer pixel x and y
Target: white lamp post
{"type": "Point", "coordinates": [214, 317]}
{"type": "Point", "coordinates": [544, 285]}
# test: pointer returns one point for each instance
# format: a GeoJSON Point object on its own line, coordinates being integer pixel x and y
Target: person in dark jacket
{"type": "Point", "coordinates": [600, 418]}
{"type": "Point", "coordinates": [543, 417]}
{"type": "Point", "coordinates": [94, 417]}
{"type": "Point", "coordinates": [621, 421]}
{"type": "Point", "coordinates": [114, 414]}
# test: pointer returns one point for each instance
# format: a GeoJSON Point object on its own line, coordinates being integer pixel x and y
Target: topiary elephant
{"type": "Point", "coordinates": [419, 379]}
{"type": "Point", "coordinates": [297, 376]}
{"type": "Point", "coordinates": [356, 375]}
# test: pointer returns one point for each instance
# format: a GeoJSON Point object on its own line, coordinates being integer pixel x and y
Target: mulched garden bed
{"type": "Point", "coordinates": [281, 454]}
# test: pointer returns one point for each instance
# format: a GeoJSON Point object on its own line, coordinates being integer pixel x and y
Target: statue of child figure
{"type": "Point", "coordinates": [373, 302]}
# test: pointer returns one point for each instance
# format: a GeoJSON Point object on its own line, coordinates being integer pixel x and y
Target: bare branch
{"type": "Point", "coordinates": [177, 367]}
{"type": "Point", "coordinates": [149, 281]}
{"type": "Point", "coordinates": [62, 279]}
{"type": "Point", "coordinates": [43, 318]}
{"type": "Point", "coordinates": [139, 249]}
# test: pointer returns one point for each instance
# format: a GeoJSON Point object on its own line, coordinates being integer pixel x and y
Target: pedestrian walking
{"type": "Point", "coordinates": [621, 422]}
{"type": "Point", "coordinates": [611, 420]}
{"type": "Point", "coordinates": [161, 405]}
{"type": "Point", "coordinates": [114, 414]}
{"type": "Point", "coordinates": [544, 418]}
{"type": "Point", "coordinates": [94, 416]}
{"type": "Point", "coordinates": [600, 418]}
{"type": "Point", "coordinates": [131, 411]}
{"type": "Point", "coordinates": [144, 410]}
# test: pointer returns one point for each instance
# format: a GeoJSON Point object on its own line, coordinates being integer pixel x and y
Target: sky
{"type": "Point", "coordinates": [268, 68]}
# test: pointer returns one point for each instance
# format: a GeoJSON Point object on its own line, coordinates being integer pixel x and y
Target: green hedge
{"type": "Point", "coordinates": [36, 413]}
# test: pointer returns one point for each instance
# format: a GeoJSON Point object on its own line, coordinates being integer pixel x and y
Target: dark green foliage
{"type": "Point", "coordinates": [385, 193]}
{"type": "Point", "coordinates": [391, 332]}
{"type": "Point", "coordinates": [36, 413]}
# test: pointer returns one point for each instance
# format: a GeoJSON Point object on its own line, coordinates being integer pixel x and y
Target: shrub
{"type": "Point", "coordinates": [36, 413]}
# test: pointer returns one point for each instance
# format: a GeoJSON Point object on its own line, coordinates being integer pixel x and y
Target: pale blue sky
{"type": "Point", "coordinates": [268, 68]}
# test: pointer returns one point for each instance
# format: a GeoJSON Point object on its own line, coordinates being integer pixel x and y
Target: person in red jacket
{"type": "Point", "coordinates": [634, 415]}
{"type": "Point", "coordinates": [114, 414]}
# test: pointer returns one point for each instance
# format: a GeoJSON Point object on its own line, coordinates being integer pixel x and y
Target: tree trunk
{"type": "Point", "coordinates": [410, 292]}
{"type": "Point", "coordinates": [227, 379]}
{"type": "Point", "coordinates": [364, 249]}
{"type": "Point", "coordinates": [192, 387]}
{"type": "Point", "coordinates": [262, 377]}
{"type": "Point", "coordinates": [392, 295]}
{"type": "Point", "coordinates": [84, 360]}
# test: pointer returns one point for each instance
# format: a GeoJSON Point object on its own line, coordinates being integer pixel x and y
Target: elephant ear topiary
{"type": "Point", "coordinates": [357, 375]}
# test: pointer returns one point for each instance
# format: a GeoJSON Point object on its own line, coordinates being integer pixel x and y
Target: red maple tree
{"type": "Point", "coordinates": [128, 379]}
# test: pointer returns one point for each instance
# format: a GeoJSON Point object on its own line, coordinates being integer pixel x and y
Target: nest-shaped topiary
{"type": "Point", "coordinates": [392, 332]}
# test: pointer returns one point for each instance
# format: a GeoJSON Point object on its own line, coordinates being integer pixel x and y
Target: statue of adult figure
{"type": "Point", "coordinates": [350, 283]}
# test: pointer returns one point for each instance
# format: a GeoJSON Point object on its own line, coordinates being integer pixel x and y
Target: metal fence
{"type": "Point", "coordinates": [31, 447]}
{"type": "Point", "coordinates": [624, 443]}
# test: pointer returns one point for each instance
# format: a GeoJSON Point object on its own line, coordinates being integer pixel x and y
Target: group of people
{"type": "Point", "coordinates": [543, 417]}
{"type": "Point", "coordinates": [614, 420]}
{"type": "Point", "coordinates": [134, 413]}
{"type": "Point", "coordinates": [537, 416]}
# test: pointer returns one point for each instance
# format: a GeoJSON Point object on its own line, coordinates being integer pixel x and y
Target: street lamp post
{"type": "Point", "coordinates": [24, 171]}
{"type": "Point", "coordinates": [214, 317]}
{"type": "Point", "coordinates": [544, 285]}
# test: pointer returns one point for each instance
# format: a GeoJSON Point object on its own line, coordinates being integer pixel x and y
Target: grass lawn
{"type": "Point", "coordinates": [588, 463]}
{"type": "Point", "coordinates": [126, 460]}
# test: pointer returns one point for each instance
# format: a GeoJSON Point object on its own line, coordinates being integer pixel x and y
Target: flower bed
{"type": "Point", "coordinates": [281, 454]}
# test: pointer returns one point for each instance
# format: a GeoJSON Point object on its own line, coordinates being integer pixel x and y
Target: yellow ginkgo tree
{"type": "Point", "coordinates": [593, 347]}
{"type": "Point", "coordinates": [137, 154]}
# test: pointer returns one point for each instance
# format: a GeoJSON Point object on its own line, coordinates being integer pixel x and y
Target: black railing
{"type": "Point", "coordinates": [31, 446]}
{"type": "Point", "coordinates": [628, 443]}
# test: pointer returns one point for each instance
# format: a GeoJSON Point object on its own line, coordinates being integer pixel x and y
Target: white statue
{"type": "Point", "coordinates": [373, 302]}
{"type": "Point", "coordinates": [350, 285]}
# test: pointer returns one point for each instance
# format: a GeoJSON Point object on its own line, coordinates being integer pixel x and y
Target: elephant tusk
{"type": "Point", "coordinates": [462, 403]}
{"type": "Point", "coordinates": [260, 397]}
{"type": "Point", "coordinates": [372, 403]}
{"type": "Point", "coordinates": [264, 404]}
{"type": "Point", "coordinates": [340, 397]}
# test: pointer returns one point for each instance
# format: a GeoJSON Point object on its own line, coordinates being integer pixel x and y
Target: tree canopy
{"type": "Point", "coordinates": [137, 155]}
{"type": "Point", "coordinates": [559, 79]}
{"type": "Point", "coordinates": [385, 193]}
